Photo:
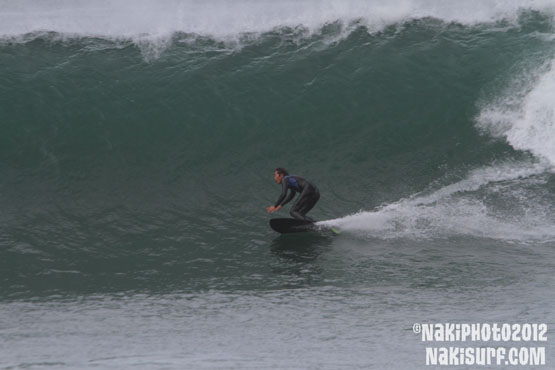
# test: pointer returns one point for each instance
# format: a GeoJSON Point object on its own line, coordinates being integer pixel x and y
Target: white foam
{"type": "Point", "coordinates": [463, 208]}
{"type": "Point", "coordinates": [525, 114]}
{"type": "Point", "coordinates": [224, 18]}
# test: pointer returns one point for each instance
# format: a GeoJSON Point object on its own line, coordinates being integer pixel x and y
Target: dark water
{"type": "Point", "coordinates": [135, 173]}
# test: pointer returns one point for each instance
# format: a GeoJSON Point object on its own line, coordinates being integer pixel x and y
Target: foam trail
{"type": "Point", "coordinates": [462, 209]}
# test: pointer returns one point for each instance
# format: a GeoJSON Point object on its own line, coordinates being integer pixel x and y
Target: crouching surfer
{"type": "Point", "coordinates": [309, 194]}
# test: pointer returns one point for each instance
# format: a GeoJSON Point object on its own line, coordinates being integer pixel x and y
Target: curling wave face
{"type": "Point", "coordinates": [130, 131]}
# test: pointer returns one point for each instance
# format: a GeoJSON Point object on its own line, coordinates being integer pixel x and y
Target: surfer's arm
{"type": "Point", "coordinates": [282, 195]}
{"type": "Point", "coordinates": [288, 199]}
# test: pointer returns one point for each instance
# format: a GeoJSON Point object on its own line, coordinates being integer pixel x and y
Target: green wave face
{"type": "Point", "coordinates": [112, 146]}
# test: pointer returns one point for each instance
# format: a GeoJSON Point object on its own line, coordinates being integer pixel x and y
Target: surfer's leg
{"type": "Point", "coordinates": [299, 216]}
{"type": "Point", "coordinates": [303, 205]}
{"type": "Point", "coordinates": [297, 210]}
{"type": "Point", "coordinates": [310, 202]}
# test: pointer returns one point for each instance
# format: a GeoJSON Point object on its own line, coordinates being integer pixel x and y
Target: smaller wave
{"type": "Point", "coordinates": [499, 202]}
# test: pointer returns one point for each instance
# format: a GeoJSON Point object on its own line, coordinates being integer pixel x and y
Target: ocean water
{"type": "Point", "coordinates": [138, 141]}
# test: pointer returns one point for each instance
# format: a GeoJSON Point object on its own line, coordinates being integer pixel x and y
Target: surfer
{"type": "Point", "coordinates": [296, 184]}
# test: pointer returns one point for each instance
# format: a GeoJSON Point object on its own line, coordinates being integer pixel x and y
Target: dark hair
{"type": "Point", "coordinates": [282, 171]}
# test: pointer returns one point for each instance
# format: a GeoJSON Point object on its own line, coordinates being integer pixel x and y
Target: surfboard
{"type": "Point", "coordinates": [291, 225]}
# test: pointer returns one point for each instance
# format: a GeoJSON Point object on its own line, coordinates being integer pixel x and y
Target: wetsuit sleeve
{"type": "Point", "coordinates": [289, 197]}
{"type": "Point", "coordinates": [283, 194]}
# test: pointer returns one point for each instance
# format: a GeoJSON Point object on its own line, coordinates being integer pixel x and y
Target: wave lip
{"type": "Point", "coordinates": [154, 26]}
{"type": "Point", "coordinates": [221, 18]}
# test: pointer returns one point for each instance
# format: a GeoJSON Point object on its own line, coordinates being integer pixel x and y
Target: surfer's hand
{"type": "Point", "coordinates": [272, 209]}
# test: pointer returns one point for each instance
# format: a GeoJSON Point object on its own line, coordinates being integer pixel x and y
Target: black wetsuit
{"type": "Point", "coordinates": [308, 198]}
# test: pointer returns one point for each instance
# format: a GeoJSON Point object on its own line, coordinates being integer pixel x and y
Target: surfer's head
{"type": "Point", "coordinates": [279, 173]}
